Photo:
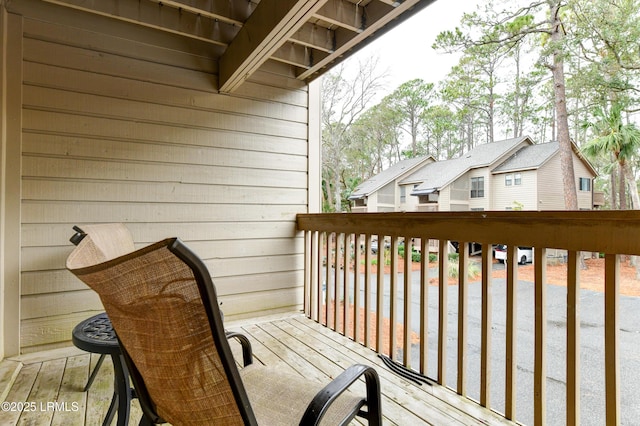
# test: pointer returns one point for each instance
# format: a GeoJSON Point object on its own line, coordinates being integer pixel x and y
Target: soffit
{"type": "Point", "coordinates": [311, 36]}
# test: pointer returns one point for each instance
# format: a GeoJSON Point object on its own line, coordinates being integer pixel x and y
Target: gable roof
{"type": "Point", "coordinates": [435, 176]}
{"type": "Point", "coordinates": [529, 157]}
{"type": "Point", "coordinates": [387, 176]}
{"type": "Point", "coordinates": [535, 156]}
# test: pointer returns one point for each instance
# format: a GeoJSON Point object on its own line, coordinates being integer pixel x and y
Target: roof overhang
{"type": "Point", "coordinates": [311, 36]}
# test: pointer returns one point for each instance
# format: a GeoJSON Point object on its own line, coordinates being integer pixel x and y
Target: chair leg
{"type": "Point", "coordinates": [144, 421]}
{"type": "Point", "coordinates": [94, 373]}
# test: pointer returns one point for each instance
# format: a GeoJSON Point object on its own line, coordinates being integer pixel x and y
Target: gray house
{"type": "Point", "coordinates": [502, 175]}
{"type": "Point", "coordinates": [382, 192]}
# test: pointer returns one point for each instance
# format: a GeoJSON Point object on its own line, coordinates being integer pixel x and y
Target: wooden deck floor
{"type": "Point", "coordinates": [52, 382]}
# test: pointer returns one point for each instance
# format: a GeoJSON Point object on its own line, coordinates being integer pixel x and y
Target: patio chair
{"type": "Point", "coordinates": [163, 307]}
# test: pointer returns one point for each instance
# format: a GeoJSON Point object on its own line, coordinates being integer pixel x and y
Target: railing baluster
{"type": "Point", "coordinates": [345, 283]}
{"type": "Point", "coordinates": [540, 363]}
{"type": "Point", "coordinates": [321, 277]}
{"type": "Point", "coordinates": [424, 303]}
{"type": "Point", "coordinates": [327, 280]}
{"type": "Point", "coordinates": [408, 252]}
{"type": "Point", "coordinates": [307, 272]}
{"type": "Point", "coordinates": [393, 298]}
{"type": "Point", "coordinates": [356, 288]}
{"type": "Point", "coordinates": [485, 344]}
{"type": "Point", "coordinates": [315, 273]}
{"type": "Point", "coordinates": [380, 296]}
{"type": "Point", "coordinates": [443, 281]}
{"type": "Point", "coordinates": [510, 356]}
{"type": "Point", "coordinates": [336, 279]}
{"type": "Point", "coordinates": [367, 291]}
{"type": "Point", "coordinates": [611, 337]}
{"type": "Point", "coordinates": [463, 284]}
{"type": "Point", "coordinates": [573, 339]}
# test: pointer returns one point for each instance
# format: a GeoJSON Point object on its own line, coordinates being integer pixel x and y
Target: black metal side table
{"type": "Point", "coordinates": [96, 335]}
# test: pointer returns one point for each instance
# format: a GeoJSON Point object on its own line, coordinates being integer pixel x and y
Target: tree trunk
{"type": "Point", "coordinates": [633, 186]}
{"type": "Point", "coordinates": [622, 189]}
{"type": "Point", "coordinates": [614, 191]}
{"type": "Point", "coordinates": [562, 120]}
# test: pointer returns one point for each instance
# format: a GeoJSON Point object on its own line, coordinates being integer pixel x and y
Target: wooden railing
{"type": "Point", "coordinates": [336, 243]}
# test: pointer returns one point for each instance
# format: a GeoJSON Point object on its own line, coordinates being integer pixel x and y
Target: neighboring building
{"type": "Point", "coordinates": [381, 193]}
{"type": "Point", "coordinates": [463, 183]}
{"type": "Point", "coordinates": [532, 178]}
{"type": "Point", "coordinates": [502, 175]}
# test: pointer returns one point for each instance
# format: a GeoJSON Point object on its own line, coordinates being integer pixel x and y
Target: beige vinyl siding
{"type": "Point", "coordinates": [504, 197]}
{"type": "Point", "coordinates": [444, 199]}
{"type": "Point", "coordinates": [550, 190]}
{"type": "Point", "coordinates": [483, 203]}
{"type": "Point", "coordinates": [116, 130]}
{"type": "Point", "coordinates": [585, 198]}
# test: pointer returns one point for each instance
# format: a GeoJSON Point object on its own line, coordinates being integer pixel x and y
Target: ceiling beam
{"type": "Point", "coordinates": [374, 28]}
{"type": "Point", "coordinates": [267, 29]}
{"type": "Point", "coordinates": [298, 55]}
{"type": "Point", "coordinates": [316, 37]}
{"type": "Point", "coordinates": [343, 14]}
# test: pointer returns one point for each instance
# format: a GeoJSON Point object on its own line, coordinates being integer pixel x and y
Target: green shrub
{"type": "Point", "coordinates": [473, 270]}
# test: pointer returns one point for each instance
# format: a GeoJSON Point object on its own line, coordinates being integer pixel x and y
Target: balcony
{"type": "Point", "coordinates": [513, 346]}
{"type": "Point", "coordinates": [495, 348]}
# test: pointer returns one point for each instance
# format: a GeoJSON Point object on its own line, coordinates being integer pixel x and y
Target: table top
{"type": "Point", "coordinates": [95, 334]}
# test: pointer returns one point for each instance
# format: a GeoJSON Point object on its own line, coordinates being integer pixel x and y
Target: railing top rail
{"type": "Point", "coordinates": [615, 232]}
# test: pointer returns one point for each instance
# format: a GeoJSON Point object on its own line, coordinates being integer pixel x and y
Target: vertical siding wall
{"type": "Point", "coordinates": [116, 130]}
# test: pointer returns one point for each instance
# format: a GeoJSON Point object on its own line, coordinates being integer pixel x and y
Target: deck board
{"type": "Point", "coordinates": [292, 343]}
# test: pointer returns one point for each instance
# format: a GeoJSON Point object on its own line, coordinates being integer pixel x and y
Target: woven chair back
{"type": "Point", "coordinates": [153, 301]}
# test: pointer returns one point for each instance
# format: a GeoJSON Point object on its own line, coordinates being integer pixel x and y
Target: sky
{"type": "Point", "coordinates": [406, 50]}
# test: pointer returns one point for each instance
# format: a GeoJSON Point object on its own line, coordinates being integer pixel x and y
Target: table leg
{"type": "Point", "coordinates": [122, 387]}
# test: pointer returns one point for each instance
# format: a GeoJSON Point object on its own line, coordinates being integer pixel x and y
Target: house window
{"type": "Point", "coordinates": [403, 194]}
{"type": "Point", "coordinates": [517, 179]}
{"type": "Point", "coordinates": [477, 187]}
{"type": "Point", "coordinates": [585, 184]}
{"type": "Point", "coordinates": [513, 179]}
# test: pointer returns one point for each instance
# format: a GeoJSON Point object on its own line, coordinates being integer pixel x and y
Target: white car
{"type": "Point", "coordinates": [525, 254]}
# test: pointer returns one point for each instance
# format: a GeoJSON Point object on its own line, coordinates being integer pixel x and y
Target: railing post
{"type": "Point", "coordinates": [316, 274]}
{"type": "Point", "coordinates": [443, 281]}
{"type": "Point", "coordinates": [611, 337]}
{"type": "Point", "coordinates": [345, 283]}
{"type": "Point", "coordinates": [424, 303]}
{"type": "Point", "coordinates": [367, 290]}
{"type": "Point", "coordinates": [307, 272]}
{"type": "Point", "coordinates": [327, 280]}
{"type": "Point", "coordinates": [408, 253]}
{"type": "Point", "coordinates": [485, 349]}
{"type": "Point", "coordinates": [573, 339]}
{"type": "Point", "coordinates": [380, 296]}
{"type": "Point", "coordinates": [540, 362]}
{"type": "Point", "coordinates": [463, 284]}
{"type": "Point", "coordinates": [356, 288]}
{"type": "Point", "coordinates": [510, 356]}
{"type": "Point", "coordinates": [393, 298]}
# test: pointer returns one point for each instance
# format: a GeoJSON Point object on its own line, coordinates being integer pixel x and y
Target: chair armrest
{"type": "Point", "coordinates": [323, 399]}
{"type": "Point", "coordinates": [247, 353]}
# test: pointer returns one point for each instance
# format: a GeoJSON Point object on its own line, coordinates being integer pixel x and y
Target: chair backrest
{"type": "Point", "coordinates": [163, 307]}
{"type": "Point", "coordinates": [107, 241]}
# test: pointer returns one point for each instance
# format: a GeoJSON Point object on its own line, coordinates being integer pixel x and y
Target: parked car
{"type": "Point", "coordinates": [374, 246]}
{"type": "Point", "coordinates": [525, 254]}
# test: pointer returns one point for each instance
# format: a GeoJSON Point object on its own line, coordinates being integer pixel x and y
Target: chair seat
{"type": "Point", "coordinates": [280, 399]}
